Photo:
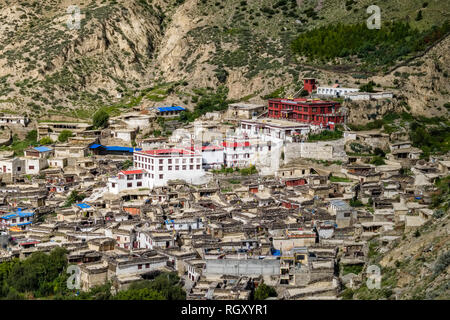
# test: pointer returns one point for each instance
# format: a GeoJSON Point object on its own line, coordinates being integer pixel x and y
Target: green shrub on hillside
{"type": "Point", "coordinates": [375, 47]}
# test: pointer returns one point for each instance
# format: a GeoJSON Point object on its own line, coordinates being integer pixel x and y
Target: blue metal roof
{"type": "Point", "coordinates": [26, 214]}
{"type": "Point", "coordinates": [18, 213]}
{"type": "Point", "coordinates": [115, 148]}
{"type": "Point", "coordinates": [42, 149]}
{"type": "Point", "coordinates": [9, 216]}
{"type": "Point", "coordinates": [83, 205]}
{"type": "Point", "coordinates": [173, 108]}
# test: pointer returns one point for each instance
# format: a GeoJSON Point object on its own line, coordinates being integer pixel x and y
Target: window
{"type": "Point", "coordinates": [184, 167]}
{"type": "Point", "coordinates": [31, 167]}
{"type": "Point", "coordinates": [184, 160]}
{"type": "Point", "coordinates": [192, 160]}
{"type": "Point", "coordinates": [170, 168]}
{"type": "Point", "coordinates": [198, 167]}
{"type": "Point", "coordinates": [161, 168]}
{"type": "Point", "coordinates": [129, 184]}
{"type": "Point", "coordinates": [198, 160]}
{"type": "Point", "coordinates": [139, 184]}
{"type": "Point", "coordinates": [113, 185]}
{"type": "Point", "coordinates": [161, 176]}
{"type": "Point", "coordinates": [139, 176]}
{"type": "Point", "coordinates": [170, 161]}
{"type": "Point", "coordinates": [139, 266]}
{"type": "Point", "coordinates": [161, 161]}
{"type": "Point", "coordinates": [19, 168]}
{"type": "Point", "coordinates": [191, 167]}
{"type": "Point", "coordinates": [177, 160]}
{"type": "Point", "coordinates": [177, 168]}
{"type": "Point", "coordinates": [147, 265]}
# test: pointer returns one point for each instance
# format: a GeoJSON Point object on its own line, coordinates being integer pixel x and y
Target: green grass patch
{"type": "Point", "coordinates": [326, 135]}
{"type": "Point", "coordinates": [339, 179]}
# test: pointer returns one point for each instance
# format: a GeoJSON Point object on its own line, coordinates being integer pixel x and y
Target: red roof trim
{"type": "Point", "coordinates": [167, 152]}
{"type": "Point", "coordinates": [132, 172]}
{"type": "Point", "coordinates": [235, 144]}
{"type": "Point", "coordinates": [31, 242]}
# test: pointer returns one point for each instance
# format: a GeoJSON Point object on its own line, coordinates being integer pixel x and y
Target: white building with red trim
{"type": "Point", "coordinates": [170, 164]}
{"type": "Point", "coordinates": [245, 152]}
{"type": "Point", "coordinates": [154, 168]}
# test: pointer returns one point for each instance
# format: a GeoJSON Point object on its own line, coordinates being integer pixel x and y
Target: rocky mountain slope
{"type": "Point", "coordinates": [415, 266]}
{"type": "Point", "coordinates": [131, 52]}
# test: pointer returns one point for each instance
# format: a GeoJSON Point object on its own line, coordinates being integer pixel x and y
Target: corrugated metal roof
{"type": "Point", "coordinates": [42, 149]}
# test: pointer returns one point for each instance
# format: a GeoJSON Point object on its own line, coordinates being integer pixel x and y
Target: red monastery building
{"type": "Point", "coordinates": [312, 111]}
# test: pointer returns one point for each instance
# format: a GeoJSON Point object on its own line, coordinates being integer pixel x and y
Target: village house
{"type": "Point", "coordinates": [14, 119]}
{"type": "Point", "coordinates": [404, 151]}
{"type": "Point", "coordinates": [275, 130]}
{"type": "Point", "coordinates": [53, 129]}
{"type": "Point", "coordinates": [358, 96]}
{"type": "Point", "coordinates": [244, 110]}
{"type": "Point", "coordinates": [169, 164]}
{"type": "Point", "coordinates": [18, 219]}
{"type": "Point", "coordinates": [335, 91]}
{"type": "Point", "coordinates": [132, 265]}
{"type": "Point", "coordinates": [93, 274]}
{"type": "Point", "coordinates": [13, 166]}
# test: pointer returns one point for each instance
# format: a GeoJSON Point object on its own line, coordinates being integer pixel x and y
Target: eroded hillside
{"type": "Point", "coordinates": [125, 48]}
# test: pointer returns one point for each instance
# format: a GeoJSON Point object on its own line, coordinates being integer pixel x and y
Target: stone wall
{"type": "Point", "coordinates": [322, 150]}
{"type": "Point", "coordinates": [242, 267]}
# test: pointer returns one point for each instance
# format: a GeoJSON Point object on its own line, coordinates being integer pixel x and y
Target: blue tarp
{"type": "Point", "coordinates": [95, 146]}
{"type": "Point", "coordinates": [173, 108]}
{"type": "Point", "coordinates": [83, 205]}
{"type": "Point", "coordinates": [42, 149]}
{"type": "Point", "coordinates": [276, 252]}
